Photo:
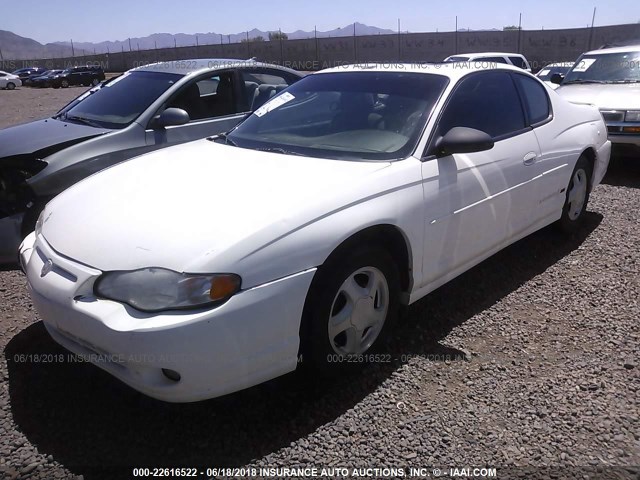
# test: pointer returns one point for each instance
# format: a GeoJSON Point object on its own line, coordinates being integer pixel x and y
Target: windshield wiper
{"type": "Point", "coordinates": [280, 150]}
{"type": "Point", "coordinates": [582, 81]}
{"type": "Point", "coordinates": [222, 136]}
{"type": "Point", "coordinates": [86, 121]}
{"type": "Point", "coordinates": [626, 80]}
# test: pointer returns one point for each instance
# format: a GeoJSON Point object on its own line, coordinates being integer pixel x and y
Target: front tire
{"type": "Point", "coordinates": [64, 83]}
{"type": "Point", "coordinates": [11, 86]}
{"type": "Point", "coordinates": [577, 198]}
{"type": "Point", "coordinates": [350, 309]}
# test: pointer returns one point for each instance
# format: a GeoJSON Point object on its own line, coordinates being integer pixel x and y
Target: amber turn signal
{"type": "Point", "coordinates": [223, 286]}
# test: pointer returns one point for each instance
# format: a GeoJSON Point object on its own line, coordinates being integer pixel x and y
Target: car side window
{"type": "Point", "coordinates": [208, 97]}
{"type": "Point", "coordinates": [486, 101]}
{"type": "Point", "coordinates": [518, 62]}
{"type": "Point", "coordinates": [491, 60]}
{"type": "Point", "coordinates": [260, 85]}
{"type": "Point", "coordinates": [535, 99]}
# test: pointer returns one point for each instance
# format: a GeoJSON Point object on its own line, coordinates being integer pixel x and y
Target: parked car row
{"type": "Point", "coordinates": [304, 214]}
{"type": "Point", "coordinates": [61, 78]}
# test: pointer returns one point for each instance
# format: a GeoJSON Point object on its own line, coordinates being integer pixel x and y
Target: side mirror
{"type": "Point", "coordinates": [463, 140]}
{"type": "Point", "coordinates": [557, 78]}
{"type": "Point", "coordinates": [171, 117]}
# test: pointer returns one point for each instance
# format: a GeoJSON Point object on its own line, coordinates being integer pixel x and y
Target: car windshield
{"type": "Point", "coordinates": [348, 115]}
{"type": "Point", "coordinates": [621, 67]}
{"type": "Point", "coordinates": [119, 102]}
{"type": "Point", "coordinates": [547, 72]}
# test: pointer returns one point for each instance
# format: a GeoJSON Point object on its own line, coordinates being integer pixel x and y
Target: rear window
{"type": "Point", "coordinates": [457, 59]}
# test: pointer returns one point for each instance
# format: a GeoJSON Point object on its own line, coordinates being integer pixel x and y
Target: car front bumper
{"type": "Point", "coordinates": [252, 338]}
{"type": "Point", "coordinates": [626, 139]}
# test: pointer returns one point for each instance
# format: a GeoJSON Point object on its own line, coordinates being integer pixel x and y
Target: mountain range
{"type": "Point", "coordinates": [13, 46]}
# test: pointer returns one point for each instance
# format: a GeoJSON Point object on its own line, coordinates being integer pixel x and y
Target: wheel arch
{"type": "Point", "coordinates": [590, 154]}
{"type": "Point", "coordinates": [387, 236]}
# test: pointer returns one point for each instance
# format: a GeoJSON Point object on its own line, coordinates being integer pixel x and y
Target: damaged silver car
{"type": "Point", "coordinates": [146, 108]}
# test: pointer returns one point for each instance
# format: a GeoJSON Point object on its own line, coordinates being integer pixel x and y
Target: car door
{"type": "Point", "coordinates": [475, 203]}
{"type": "Point", "coordinates": [212, 102]}
{"type": "Point", "coordinates": [554, 163]}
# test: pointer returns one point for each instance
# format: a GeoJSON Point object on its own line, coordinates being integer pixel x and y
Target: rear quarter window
{"type": "Point", "coordinates": [535, 99]}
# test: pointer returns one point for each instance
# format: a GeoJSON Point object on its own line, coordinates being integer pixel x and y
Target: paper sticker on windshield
{"type": "Point", "coordinates": [544, 72]}
{"type": "Point", "coordinates": [584, 65]}
{"type": "Point", "coordinates": [286, 97]}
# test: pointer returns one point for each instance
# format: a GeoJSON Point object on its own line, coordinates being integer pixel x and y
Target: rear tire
{"type": "Point", "coordinates": [577, 197]}
{"type": "Point", "coordinates": [350, 309]}
{"type": "Point", "coordinates": [64, 83]}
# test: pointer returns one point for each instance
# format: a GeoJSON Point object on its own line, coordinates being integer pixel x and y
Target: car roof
{"type": "Point", "coordinates": [604, 51]}
{"type": "Point", "coordinates": [487, 54]}
{"type": "Point", "coordinates": [201, 65]}
{"type": "Point", "coordinates": [451, 70]}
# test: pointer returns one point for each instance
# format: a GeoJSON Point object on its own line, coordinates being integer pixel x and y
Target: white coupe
{"type": "Point", "coordinates": [212, 266]}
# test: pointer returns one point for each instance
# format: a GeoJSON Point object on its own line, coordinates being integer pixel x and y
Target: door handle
{"type": "Point", "coordinates": [530, 158]}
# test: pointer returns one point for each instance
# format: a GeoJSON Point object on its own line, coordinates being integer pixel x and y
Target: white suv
{"type": "Point", "coordinates": [514, 59]}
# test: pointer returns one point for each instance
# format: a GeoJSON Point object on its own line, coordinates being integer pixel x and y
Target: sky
{"type": "Point", "coordinates": [93, 21]}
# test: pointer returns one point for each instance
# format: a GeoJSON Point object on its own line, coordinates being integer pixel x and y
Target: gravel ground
{"type": "Point", "coordinates": [527, 363]}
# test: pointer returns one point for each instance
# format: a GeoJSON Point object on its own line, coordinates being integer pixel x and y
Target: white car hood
{"type": "Point", "coordinates": [604, 96]}
{"type": "Point", "coordinates": [180, 204]}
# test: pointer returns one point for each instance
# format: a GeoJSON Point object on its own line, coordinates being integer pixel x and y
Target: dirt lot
{"type": "Point", "coordinates": [528, 363]}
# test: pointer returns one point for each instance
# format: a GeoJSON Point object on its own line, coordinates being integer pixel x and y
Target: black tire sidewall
{"type": "Point", "coordinates": [315, 347]}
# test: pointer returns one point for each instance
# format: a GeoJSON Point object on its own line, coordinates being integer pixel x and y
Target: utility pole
{"type": "Point", "coordinates": [593, 20]}
{"type": "Point", "coordinates": [399, 43]}
{"type": "Point", "coordinates": [281, 48]}
{"type": "Point", "coordinates": [519, 32]}
{"type": "Point", "coordinates": [355, 44]}
{"type": "Point", "coordinates": [73, 52]}
{"type": "Point", "coordinates": [130, 49]}
{"type": "Point", "coordinates": [315, 33]}
{"type": "Point", "coordinates": [456, 49]}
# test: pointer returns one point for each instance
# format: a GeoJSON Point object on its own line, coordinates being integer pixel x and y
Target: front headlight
{"type": "Point", "coordinates": [632, 116]}
{"type": "Point", "coordinates": [156, 289]}
{"type": "Point", "coordinates": [39, 223]}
